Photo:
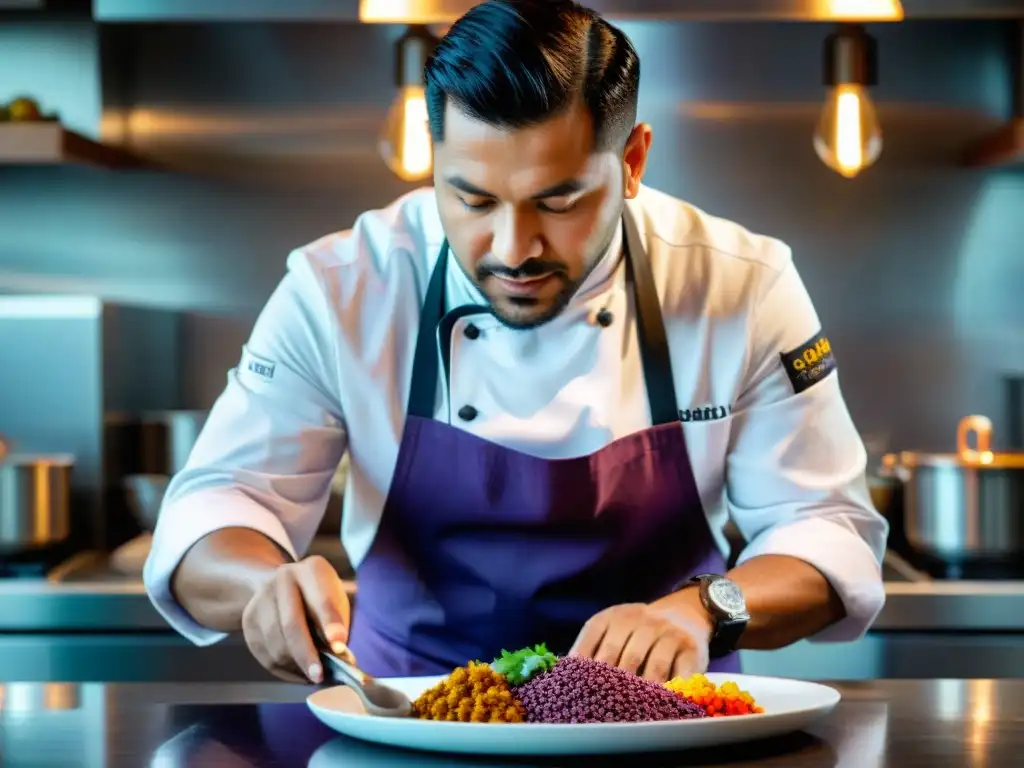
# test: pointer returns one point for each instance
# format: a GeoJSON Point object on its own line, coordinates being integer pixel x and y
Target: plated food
{"type": "Point", "coordinates": [533, 685]}
{"type": "Point", "coordinates": [517, 706]}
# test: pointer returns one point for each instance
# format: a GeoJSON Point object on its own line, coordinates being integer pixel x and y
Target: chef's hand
{"type": "Point", "coordinates": [653, 642]}
{"type": "Point", "coordinates": [275, 622]}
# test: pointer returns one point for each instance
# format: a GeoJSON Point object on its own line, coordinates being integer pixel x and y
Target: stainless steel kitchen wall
{"type": "Point", "coordinates": [269, 131]}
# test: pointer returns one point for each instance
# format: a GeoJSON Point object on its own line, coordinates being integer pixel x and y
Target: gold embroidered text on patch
{"type": "Point", "coordinates": [809, 363]}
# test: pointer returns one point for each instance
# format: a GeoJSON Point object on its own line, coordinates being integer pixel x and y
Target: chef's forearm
{"type": "Point", "coordinates": [221, 572]}
{"type": "Point", "coordinates": [787, 598]}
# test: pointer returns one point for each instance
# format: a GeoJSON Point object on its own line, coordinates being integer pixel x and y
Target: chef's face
{"type": "Point", "coordinates": [528, 212]}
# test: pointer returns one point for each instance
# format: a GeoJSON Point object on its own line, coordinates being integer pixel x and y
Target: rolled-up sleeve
{"type": "Point", "coordinates": [796, 467]}
{"type": "Point", "coordinates": [270, 446]}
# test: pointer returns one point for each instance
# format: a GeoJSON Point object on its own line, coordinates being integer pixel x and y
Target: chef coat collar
{"type": "Point", "coordinates": [461, 290]}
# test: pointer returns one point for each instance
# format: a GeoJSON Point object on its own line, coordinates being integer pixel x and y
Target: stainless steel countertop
{"type": "Point", "coordinates": [82, 594]}
{"type": "Point", "coordinates": [85, 595]}
{"type": "Point", "coordinates": [918, 723]}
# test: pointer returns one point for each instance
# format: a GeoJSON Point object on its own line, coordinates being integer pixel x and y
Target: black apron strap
{"type": "Point", "coordinates": [423, 390]}
{"type": "Point", "coordinates": [434, 323]}
{"type": "Point", "coordinates": [654, 351]}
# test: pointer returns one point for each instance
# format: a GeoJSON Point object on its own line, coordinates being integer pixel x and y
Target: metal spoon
{"type": "Point", "coordinates": [379, 700]}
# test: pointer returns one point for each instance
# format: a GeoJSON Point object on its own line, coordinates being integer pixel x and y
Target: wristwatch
{"type": "Point", "coordinates": [724, 601]}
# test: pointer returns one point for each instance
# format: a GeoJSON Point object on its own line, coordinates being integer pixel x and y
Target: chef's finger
{"type": "Point", "coordinates": [636, 649]}
{"type": "Point", "coordinates": [661, 659]}
{"type": "Point", "coordinates": [324, 595]}
{"type": "Point", "coordinates": [590, 636]}
{"type": "Point", "coordinates": [687, 663]}
{"type": "Point", "coordinates": [262, 629]}
{"type": "Point", "coordinates": [614, 641]}
{"type": "Point", "coordinates": [268, 627]}
{"type": "Point", "coordinates": [291, 610]}
{"type": "Point", "coordinates": [253, 633]}
{"type": "Point", "coordinates": [259, 652]}
{"type": "Point", "coordinates": [265, 659]}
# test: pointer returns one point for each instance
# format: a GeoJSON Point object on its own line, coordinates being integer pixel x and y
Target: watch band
{"type": "Point", "coordinates": [725, 637]}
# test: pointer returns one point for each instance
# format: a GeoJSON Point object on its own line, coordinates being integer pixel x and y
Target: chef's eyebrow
{"type": "Point", "coordinates": [470, 189]}
{"type": "Point", "coordinates": [561, 189]}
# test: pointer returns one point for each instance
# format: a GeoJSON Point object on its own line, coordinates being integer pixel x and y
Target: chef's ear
{"type": "Point", "coordinates": [634, 158]}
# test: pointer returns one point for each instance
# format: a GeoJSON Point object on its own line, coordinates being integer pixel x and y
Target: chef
{"type": "Point", "coordinates": [555, 386]}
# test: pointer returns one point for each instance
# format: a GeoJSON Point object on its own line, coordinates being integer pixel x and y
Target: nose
{"type": "Point", "coordinates": [516, 237]}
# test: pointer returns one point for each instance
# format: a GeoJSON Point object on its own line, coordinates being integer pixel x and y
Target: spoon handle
{"type": "Point", "coordinates": [341, 668]}
{"type": "Point", "coordinates": [342, 672]}
{"type": "Point", "coordinates": [341, 665]}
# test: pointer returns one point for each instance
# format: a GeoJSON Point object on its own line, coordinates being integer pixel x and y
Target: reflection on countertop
{"type": "Point", "coordinates": [252, 725]}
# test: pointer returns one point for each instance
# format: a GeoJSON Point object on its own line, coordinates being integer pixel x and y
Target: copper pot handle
{"type": "Point", "coordinates": [981, 426]}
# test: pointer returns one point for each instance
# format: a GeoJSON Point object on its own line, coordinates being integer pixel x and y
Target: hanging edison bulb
{"type": "Point", "coordinates": [405, 138]}
{"type": "Point", "coordinates": [859, 10]}
{"type": "Point", "coordinates": [405, 141]}
{"type": "Point", "coordinates": [848, 136]}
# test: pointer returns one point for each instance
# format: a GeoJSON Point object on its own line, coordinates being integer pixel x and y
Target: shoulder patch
{"type": "Point", "coordinates": [809, 363]}
{"type": "Point", "coordinates": [258, 366]}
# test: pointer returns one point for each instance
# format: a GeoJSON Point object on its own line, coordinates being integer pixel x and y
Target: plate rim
{"type": "Point", "coordinates": [835, 697]}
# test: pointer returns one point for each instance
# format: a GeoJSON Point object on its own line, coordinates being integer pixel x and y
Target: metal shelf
{"type": "Point", "coordinates": [50, 143]}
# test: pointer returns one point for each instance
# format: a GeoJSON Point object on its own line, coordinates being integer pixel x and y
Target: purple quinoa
{"type": "Point", "coordinates": [586, 691]}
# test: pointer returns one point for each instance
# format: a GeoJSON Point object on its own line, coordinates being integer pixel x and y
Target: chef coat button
{"type": "Point", "coordinates": [472, 332]}
{"type": "Point", "coordinates": [467, 413]}
{"type": "Point", "coordinates": [604, 318]}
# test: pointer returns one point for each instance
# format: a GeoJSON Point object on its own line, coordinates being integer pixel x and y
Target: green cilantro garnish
{"type": "Point", "coordinates": [524, 664]}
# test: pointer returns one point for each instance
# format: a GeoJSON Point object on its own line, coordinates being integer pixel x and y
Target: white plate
{"type": "Point", "coordinates": [790, 705]}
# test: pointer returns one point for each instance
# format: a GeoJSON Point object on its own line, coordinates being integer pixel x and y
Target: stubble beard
{"type": "Point", "coordinates": [564, 297]}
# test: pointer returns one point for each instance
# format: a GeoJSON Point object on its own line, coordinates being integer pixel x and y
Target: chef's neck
{"type": "Point", "coordinates": [462, 290]}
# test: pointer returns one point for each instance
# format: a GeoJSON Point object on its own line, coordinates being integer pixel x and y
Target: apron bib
{"type": "Point", "coordinates": [482, 548]}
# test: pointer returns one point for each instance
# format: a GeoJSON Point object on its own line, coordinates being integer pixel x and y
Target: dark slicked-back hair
{"type": "Point", "coordinates": [516, 63]}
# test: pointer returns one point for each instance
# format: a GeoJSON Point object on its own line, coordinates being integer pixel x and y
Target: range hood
{"type": "Point", "coordinates": [446, 11]}
{"type": "Point", "coordinates": [1006, 146]}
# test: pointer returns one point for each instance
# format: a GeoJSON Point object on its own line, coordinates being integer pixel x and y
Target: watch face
{"type": "Point", "coordinates": [727, 596]}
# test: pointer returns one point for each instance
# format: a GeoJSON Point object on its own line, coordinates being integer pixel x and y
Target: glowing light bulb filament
{"type": "Point", "coordinates": [415, 155]}
{"type": "Point", "coordinates": [405, 142]}
{"type": "Point", "coordinates": [848, 139]}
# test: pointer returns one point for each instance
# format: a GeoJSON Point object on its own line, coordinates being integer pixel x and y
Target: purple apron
{"type": "Point", "coordinates": [482, 548]}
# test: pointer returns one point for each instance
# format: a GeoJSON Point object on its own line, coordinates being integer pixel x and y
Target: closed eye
{"type": "Point", "coordinates": [480, 206]}
{"type": "Point", "coordinates": [564, 208]}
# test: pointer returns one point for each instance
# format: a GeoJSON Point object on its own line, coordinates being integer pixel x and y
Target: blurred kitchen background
{"type": "Point", "coordinates": [159, 159]}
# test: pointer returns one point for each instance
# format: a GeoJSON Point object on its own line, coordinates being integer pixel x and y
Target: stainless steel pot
{"type": "Point", "coordinates": [964, 506]}
{"type": "Point", "coordinates": [35, 502]}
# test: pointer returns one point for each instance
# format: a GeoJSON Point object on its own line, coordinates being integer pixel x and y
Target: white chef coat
{"type": "Point", "coordinates": [328, 364]}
